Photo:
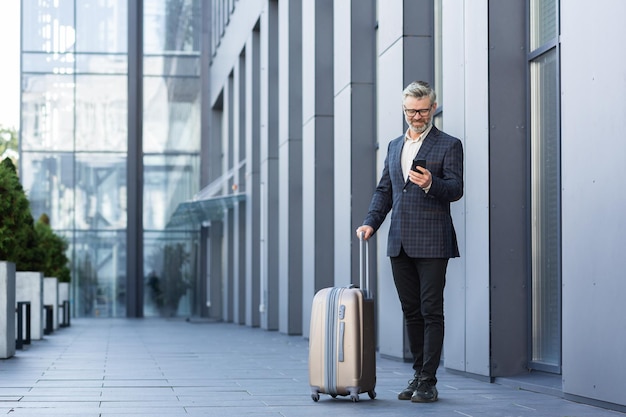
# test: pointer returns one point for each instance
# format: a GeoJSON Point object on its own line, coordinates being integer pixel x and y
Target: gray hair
{"type": "Point", "coordinates": [420, 89]}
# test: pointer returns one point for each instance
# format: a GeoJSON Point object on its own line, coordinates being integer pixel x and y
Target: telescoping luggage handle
{"type": "Point", "coordinates": [364, 266]}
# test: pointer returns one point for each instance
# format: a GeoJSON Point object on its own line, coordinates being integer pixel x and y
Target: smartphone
{"type": "Point", "coordinates": [420, 163]}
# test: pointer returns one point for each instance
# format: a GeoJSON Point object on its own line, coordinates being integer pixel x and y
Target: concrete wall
{"type": "Point", "coordinates": [51, 297]}
{"type": "Point", "coordinates": [64, 295]}
{"type": "Point", "coordinates": [29, 287]}
{"type": "Point", "coordinates": [269, 116]}
{"type": "Point", "coordinates": [290, 165]}
{"type": "Point", "coordinates": [253, 177]}
{"type": "Point", "coordinates": [593, 105]}
{"type": "Point", "coordinates": [317, 152]}
{"type": "Point", "coordinates": [354, 129]}
{"type": "Point", "coordinates": [466, 116]}
{"type": "Point", "coordinates": [7, 309]}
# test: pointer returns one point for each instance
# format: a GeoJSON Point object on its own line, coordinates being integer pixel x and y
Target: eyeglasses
{"type": "Point", "coordinates": [413, 112]}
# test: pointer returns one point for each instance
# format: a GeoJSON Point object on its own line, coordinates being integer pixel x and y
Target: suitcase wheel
{"type": "Point", "coordinates": [372, 394]}
{"type": "Point", "coordinates": [315, 397]}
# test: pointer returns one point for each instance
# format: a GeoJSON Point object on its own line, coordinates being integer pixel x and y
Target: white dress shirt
{"type": "Point", "coordinates": [410, 149]}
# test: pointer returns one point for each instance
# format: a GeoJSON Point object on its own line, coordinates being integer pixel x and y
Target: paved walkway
{"type": "Point", "coordinates": [171, 368]}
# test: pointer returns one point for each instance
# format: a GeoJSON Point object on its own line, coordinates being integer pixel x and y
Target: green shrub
{"type": "Point", "coordinates": [18, 239]}
{"type": "Point", "coordinates": [53, 248]}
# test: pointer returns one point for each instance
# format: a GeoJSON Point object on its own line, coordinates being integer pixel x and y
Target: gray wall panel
{"type": "Point", "coordinates": [390, 125]}
{"type": "Point", "coordinates": [241, 24]}
{"type": "Point", "coordinates": [593, 201]}
{"type": "Point", "coordinates": [508, 181]}
{"type": "Point", "coordinates": [228, 288]}
{"type": "Point", "coordinates": [290, 166]}
{"type": "Point", "coordinates": [317, 151]}
{"type": "Point", "coordinates": [355, 129]}
{"type": "Point", "coordinates": [239, 211]}
{"type": "Point", "coordinates": [253, 179]}
{"type": "Point", "coordinates": [472, 212]}
{"type": "Point", "coordinates": [216, 228]}
{"type": "Point", "coordinates": [344, 230]}
{"type": "Point", "coordinates": [455, 304]}
{"type": "Point", "coordinates": [317, 213]}
{"type": "Point", "coordinates": [269, 166]}
{"type": "Point", "coordinates": [465, 115]}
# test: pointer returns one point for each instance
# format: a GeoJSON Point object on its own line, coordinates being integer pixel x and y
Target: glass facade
{"type": "Point", "coordinates": [171, 144]}
{"type": "Point", "coordinates": [74, 138]}
{"type": "Point", "coordinates": [438, 52]}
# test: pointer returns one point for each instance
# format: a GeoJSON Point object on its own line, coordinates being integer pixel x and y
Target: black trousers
{"type": "Point", "coordinates": [420, 283]}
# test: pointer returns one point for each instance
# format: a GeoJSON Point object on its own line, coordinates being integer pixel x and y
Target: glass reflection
{"type": "Point", "coordinates": [99, 273]}
{"type": "Point", "coordinates": [101, 113]}
{"type": "Point", "coordinates": [47, 112]}
{"type": "Point", "coordinates": [543, 16]}
{"type": "Point", "coordinates": [48, 26]}
{"type": "Point", "coordinates": [101, 26]}
{"type": "Point", "coordinates": [171, 273]}
{"type": "Point", "coordinates": [49, 180]}
{"type": "Point", "coordinates": [102, 64]}
{"type": "Point", "coordinates": [171, 25]}
{"type": "Point", "coordinates": [168, 181]}
{"type": "Point", "coordinates": [171, 114]}
{"type": "Point", "coordinates": [171, 144]}
{"type": "Point", "coordinates": [48, 63]}
{"type": "Point", "coordinates": [100, 191]}
{"type": "Point", "coordinates": [545, 210]}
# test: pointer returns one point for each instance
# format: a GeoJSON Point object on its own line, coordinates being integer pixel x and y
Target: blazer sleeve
{"type": "Point", "coordinates": [449, 186]}
{"type": "Point", "coordinates": [382, 199]}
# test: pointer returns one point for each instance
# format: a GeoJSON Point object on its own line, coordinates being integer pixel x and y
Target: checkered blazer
{"type": "Point", "coordinates": [420, 222]}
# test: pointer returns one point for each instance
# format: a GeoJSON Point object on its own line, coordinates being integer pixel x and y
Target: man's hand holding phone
{"type": "Point", "coordinates": [420, 163]}
{"type": "Point", "coordinates": [420, 175]}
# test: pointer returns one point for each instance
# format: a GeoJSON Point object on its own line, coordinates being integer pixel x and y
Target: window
{"type": "Point", "coordinates": [545, 185]}
{"type": "Point", "coordinates": [438, 116]}
{"type": "Point", "coordinates": [73, 139]}
{"type": "Point", "coordinates": [171, 148]}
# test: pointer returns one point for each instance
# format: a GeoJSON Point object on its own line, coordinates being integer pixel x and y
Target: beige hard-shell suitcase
{"type": "Point", "coordinates": [342, 341]}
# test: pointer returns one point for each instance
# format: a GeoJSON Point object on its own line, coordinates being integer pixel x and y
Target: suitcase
{"type": "Point", "coordinates": [342, 339]}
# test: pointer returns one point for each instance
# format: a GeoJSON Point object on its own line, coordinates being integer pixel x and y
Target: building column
{"type": "Point", "coordinates": [269, 166]}
{"type": "Point", "coordinates": [239, 210]}
{"type": "Point", "coordinates": [228, 277]}
{"type": "Point", "coordinates": [134, 165]}
{"type": "Point", "coordinates": [215, 229]}
{"type": "Point", "coordinates": [505, 261]}
{"type": "Point", "coordinates": [354, 128]}
{"type": "Point", "coordinates": [253, 178]}
{"type": "Point", "coordinates": [290, 166]}
{"type": "Point", "coordinates": [318, 152]}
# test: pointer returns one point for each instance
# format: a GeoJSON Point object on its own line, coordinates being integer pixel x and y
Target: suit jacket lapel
{"type": "Point", "coordinates": [395, 159]}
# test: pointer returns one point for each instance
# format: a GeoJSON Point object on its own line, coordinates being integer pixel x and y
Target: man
{"type": "Point", "coordinates": [421, 234]}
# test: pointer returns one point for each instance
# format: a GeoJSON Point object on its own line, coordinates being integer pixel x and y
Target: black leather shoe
{"type": "Point", "coordinates": [408, 392]}
{"type": "Point", "coordinates": [425, 393]}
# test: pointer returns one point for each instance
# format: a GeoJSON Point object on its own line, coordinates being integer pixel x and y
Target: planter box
{"type": "Point", "coordinates": [29, 287]}
{"type": "Point", "coordinates": [51, 297]}
{"type": "Point", "coordinates": [7, 309]}
{"type": "Point", "coordinates": [64, 303]}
